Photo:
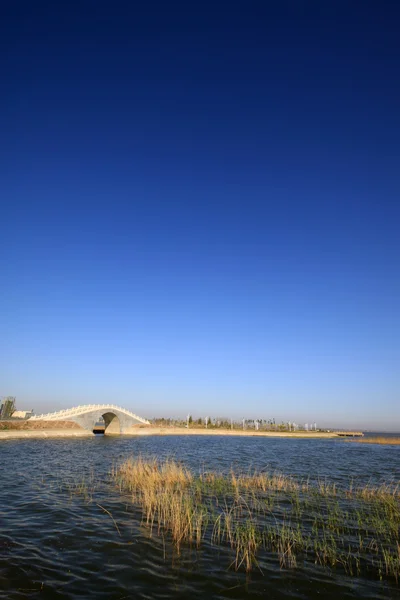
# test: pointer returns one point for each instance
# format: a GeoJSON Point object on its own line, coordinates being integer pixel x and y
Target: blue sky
{"type": "Point", "coordinates": [200, 209]}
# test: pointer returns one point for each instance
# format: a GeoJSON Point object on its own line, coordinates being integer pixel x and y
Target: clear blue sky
{"type": "Point", "coordinates": [200, 208]}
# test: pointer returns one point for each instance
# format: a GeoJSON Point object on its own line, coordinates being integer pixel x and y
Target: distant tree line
{"type": "Point", "coordinates": [224, 423]}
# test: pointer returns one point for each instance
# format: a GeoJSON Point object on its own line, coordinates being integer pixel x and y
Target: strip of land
{"type": "Point", "coordinates": [153, 430]}
{"type": "Point", "coordinates": [40, 429]}
{"type": "Point", "coordinates": [49, 433]}
{"type": "Point", "coordinates": [46, 429]}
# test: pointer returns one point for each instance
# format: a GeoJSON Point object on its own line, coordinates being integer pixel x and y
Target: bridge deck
{"type": "Point", "coordinates": [85, 409]}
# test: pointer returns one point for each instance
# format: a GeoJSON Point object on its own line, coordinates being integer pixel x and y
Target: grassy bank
{"type": "Point", "coordinates": [254, 514]}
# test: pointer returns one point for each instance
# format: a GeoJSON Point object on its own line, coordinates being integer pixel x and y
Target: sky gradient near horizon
{"type": "Point", "coordinates": [200, 209]}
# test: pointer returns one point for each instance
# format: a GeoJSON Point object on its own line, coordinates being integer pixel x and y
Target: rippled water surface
{"type": "Point", "coordinates": [54, 544]}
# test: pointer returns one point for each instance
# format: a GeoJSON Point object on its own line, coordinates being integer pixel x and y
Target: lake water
{"type": "Point", "coordinates": [54, 545]}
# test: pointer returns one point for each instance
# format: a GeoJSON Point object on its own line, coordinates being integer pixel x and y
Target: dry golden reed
{"type": "Point", "coordinates": [352, 528]}
{"type": "Point", "coordinates": [395, 441]}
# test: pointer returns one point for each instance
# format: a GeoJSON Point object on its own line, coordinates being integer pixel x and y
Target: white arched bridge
{"type": "Point", "coordinates": [116, 419]}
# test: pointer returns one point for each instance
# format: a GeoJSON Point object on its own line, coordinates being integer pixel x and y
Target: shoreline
{"type": "Point", "coordinates": [43, 433]}
{"type": "Point", "coordinates": [228, 432]}
{"type": "Point", "coordinates": [161, 431]}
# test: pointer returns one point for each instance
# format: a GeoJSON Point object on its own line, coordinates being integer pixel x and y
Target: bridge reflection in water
{"type": "Point", "coordinates": [117, 420]}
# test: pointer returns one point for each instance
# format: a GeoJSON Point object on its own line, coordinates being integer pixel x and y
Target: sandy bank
{"type": "Point", "coordinates": [149, 430]}
{"type": "Point", "coordinates": [28, 425]}
{"type": "Point", "coordinates": [40, 429]}
{"type": "Point", "coordinates": [43, 433]}
{"type": "Point", "coordinates": [43, 429]}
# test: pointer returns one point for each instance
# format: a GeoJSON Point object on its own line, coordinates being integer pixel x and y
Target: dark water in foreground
{"type": "Point", "coordinates": [54, 545]}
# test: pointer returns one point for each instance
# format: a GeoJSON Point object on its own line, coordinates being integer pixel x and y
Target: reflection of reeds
{"type": "Point", "coordinates": [356, 528]}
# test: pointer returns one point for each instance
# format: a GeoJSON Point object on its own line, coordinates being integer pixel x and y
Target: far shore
{"type": "Point", "coordinates": [155, 430]}
{"type": "Point", "coordinates": [72, 430]}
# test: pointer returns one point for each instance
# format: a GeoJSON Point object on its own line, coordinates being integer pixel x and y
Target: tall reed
{"type": "Point", "coordinates": [355, 528]}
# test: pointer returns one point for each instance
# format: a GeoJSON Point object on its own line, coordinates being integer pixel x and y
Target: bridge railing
{"type": "Point", "coordinates": [79, 410]}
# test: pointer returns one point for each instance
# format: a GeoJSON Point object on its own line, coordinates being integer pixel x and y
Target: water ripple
{"type": "Point", "coordinates": [57, 544]}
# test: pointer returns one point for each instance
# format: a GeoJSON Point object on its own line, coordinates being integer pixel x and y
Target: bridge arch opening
{"type": "Point", "coordinates": [112, 425]}
{"type": "Point", "coordinates": [99, 426]}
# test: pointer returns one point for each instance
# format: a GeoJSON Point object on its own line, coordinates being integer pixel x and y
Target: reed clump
{"type": "Point", "coordinates": [164, 491]}
{"type": "Point", "coordinates": [84, 486]}
{"type": "Point", "coordinates": [377, 440]}
{"type": "Point", "coordinates": [257, 513]}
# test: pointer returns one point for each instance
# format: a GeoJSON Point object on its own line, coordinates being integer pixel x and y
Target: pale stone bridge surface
{"type": "Point", "coordinates": [116, 419]}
